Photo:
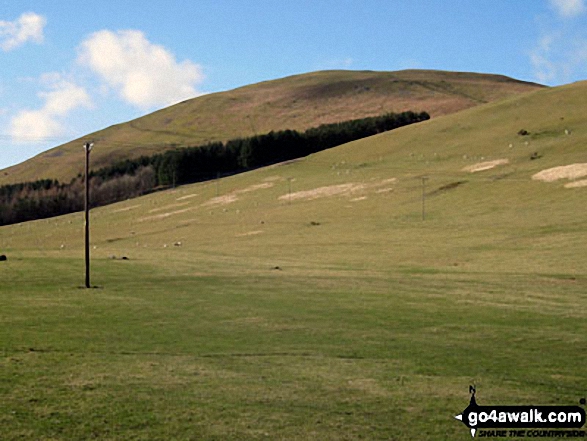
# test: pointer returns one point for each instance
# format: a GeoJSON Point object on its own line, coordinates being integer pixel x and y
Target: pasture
{"type": "Point", "coordinates": [313, 299]}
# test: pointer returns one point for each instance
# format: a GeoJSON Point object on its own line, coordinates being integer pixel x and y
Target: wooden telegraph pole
{"type": "Point", "coordinates": [87, 147]}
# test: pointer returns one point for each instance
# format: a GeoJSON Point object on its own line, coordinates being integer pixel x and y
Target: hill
{"type": "Point", "coordinates": [315, 299]}
{"type": "Point", "coordinates": [296, 102]}
{"type": "Point", "coordinates": [478, 165]}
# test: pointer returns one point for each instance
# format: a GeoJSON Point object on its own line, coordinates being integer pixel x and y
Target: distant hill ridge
{"type": "Point", "coordinates": [296, 102]}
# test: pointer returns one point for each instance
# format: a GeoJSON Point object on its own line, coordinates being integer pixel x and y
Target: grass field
{"type": "Point", "coordinates": [311, 300]}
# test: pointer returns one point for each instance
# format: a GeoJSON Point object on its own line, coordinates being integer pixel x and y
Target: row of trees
{"type": "Point", "coordinates": [193, 164]}
{"type": "Point", "coordinates": [134, 177]}
{"type": "Point", "coordinates": [47, 198]}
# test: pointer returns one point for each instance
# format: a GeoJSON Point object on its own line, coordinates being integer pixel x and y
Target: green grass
{"type": "Point", "coordinates": [372, 327]}
{"type": "Point", "coordinates": [154, 355]}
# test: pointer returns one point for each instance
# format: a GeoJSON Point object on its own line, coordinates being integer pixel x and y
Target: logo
{"type": "Point", "coordinates": [520, 418]}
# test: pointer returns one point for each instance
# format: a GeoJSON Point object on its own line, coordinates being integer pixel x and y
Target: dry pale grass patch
{"type": "Point", "coordinates": [221, 200]}
{"type": "Point", "coordinates": [577, 184]}
{"type": "Point", "coordinates": [132, 207]}
{"type": "Point", "coordinates": [255, 187]}
{"type": "Point", "coordinates": [233, 196]}
{"type": "Point", "coordinates": [573, 171]}
{"type": "Point", "coordinates": [166, 215]}
{"type": "Point", "coordinates": [487, 165]}
{"type": "Point", "coordinates": [348, 189]}
{"type": "Point", "coordinates": [187, 196]}
{"type": "Point", "coordinates": [327, 191]}
{"type": "Point", "coordinates": [166, 207]}
{"type": "Point", "coordinates": [250, 233]}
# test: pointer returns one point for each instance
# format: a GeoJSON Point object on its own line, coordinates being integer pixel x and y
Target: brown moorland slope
{"type": "Point", "coordinates": [297, 102]}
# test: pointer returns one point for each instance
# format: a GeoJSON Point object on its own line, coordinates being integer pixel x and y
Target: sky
{"type": "Point", "coordinates": [70, 68]}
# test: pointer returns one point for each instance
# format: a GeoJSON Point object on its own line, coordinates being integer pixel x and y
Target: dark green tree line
{"type": "Point", "coordinates": [134, 177]}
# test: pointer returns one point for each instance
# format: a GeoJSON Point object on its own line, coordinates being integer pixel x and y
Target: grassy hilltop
{"type": "Point", "coordinates": [311, 300]}
{"type": "Point", "coordinates": [298, 103]}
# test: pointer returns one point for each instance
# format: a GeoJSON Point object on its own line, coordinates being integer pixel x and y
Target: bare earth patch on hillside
{"type": "Point", "coordinates": [577, 184]}
{"type": "Point", "coordinates": [571, 172]}
{"type": "Point", "coordinates": [321, 192]}
{"type": "Point", "coordinates": [385, 190]}
{"type": "Point", "coordinates": [250, 233]}
{"type": "Point", "coordinates": [487, 165]}
{"type": "Point", "coordinates": [387, 181]}
{"type": "Point", "coordinates": [187, 196]}
{"type": "Point", "coordinates": [165, 215]}
{"type": "Point", "coordinates": [255, 187]}
{"type": "Point", "coordinates": [348, 189]}
{"type": "Point", "coordinates": [132, 207]}
{"type": "Point", "coordinates": [221, 200]}
{"type": "Point", "coordinates": [167, 207]}
{"type": "Point", "coordinates": [272, 178]}
{"type": "Point", "coordinates": [233, 195]}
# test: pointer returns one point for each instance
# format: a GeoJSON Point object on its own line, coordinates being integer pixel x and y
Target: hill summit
{"type": "Point", "coordinates": [297, 102]}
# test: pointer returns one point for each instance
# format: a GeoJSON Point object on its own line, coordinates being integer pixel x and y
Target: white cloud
{"type": "Point", "coordinates": [144, 74]}
{"type": "Point", "coordinates": [568, 8]}
{"type": "Point", "coordinates": [28, 27]}
{"type": "Point", "coordinates": [560, 54]}
{"type": "Point", "coordinates": [30, 126]}
{"type": "Point", "coordinates": [545, 70]}
{"type": "Point", "coordinates": [558, 58]}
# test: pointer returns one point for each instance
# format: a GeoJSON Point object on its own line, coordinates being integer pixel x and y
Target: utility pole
{"type": "Point", "coordinates": [424, 178]}
{"type": "Point", "coordinates": [87, 147]}
{"type": "Point", "coordinates": [289, 190]}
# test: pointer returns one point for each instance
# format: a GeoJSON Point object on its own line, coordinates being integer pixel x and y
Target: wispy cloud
{"type": "Point", "coordinates": [545, 70]}
{"type": "Point", "coordinates": [62, 97]}
{"type": "Point", "coordinates": [143, 74]}
{"type": "Point", "coordinates": [558, 58]}
{"type": "Point", "coordinates": [560, 53]}
{"type": "Point", "coordinates": [568, 8]}
{"type": "Point", "coordinates": [28, 27]}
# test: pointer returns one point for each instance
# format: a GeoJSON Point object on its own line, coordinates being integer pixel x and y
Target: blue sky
{"type": "Point", "coordinates": [70, 68]}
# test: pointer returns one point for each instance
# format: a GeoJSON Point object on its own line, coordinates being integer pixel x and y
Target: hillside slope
{"type": "Point", "coordinates": [315, 299]}
{"type": "Point", "coordinates": [296, 102]}
{"type": "Point", "coordinates": [479, 172]}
